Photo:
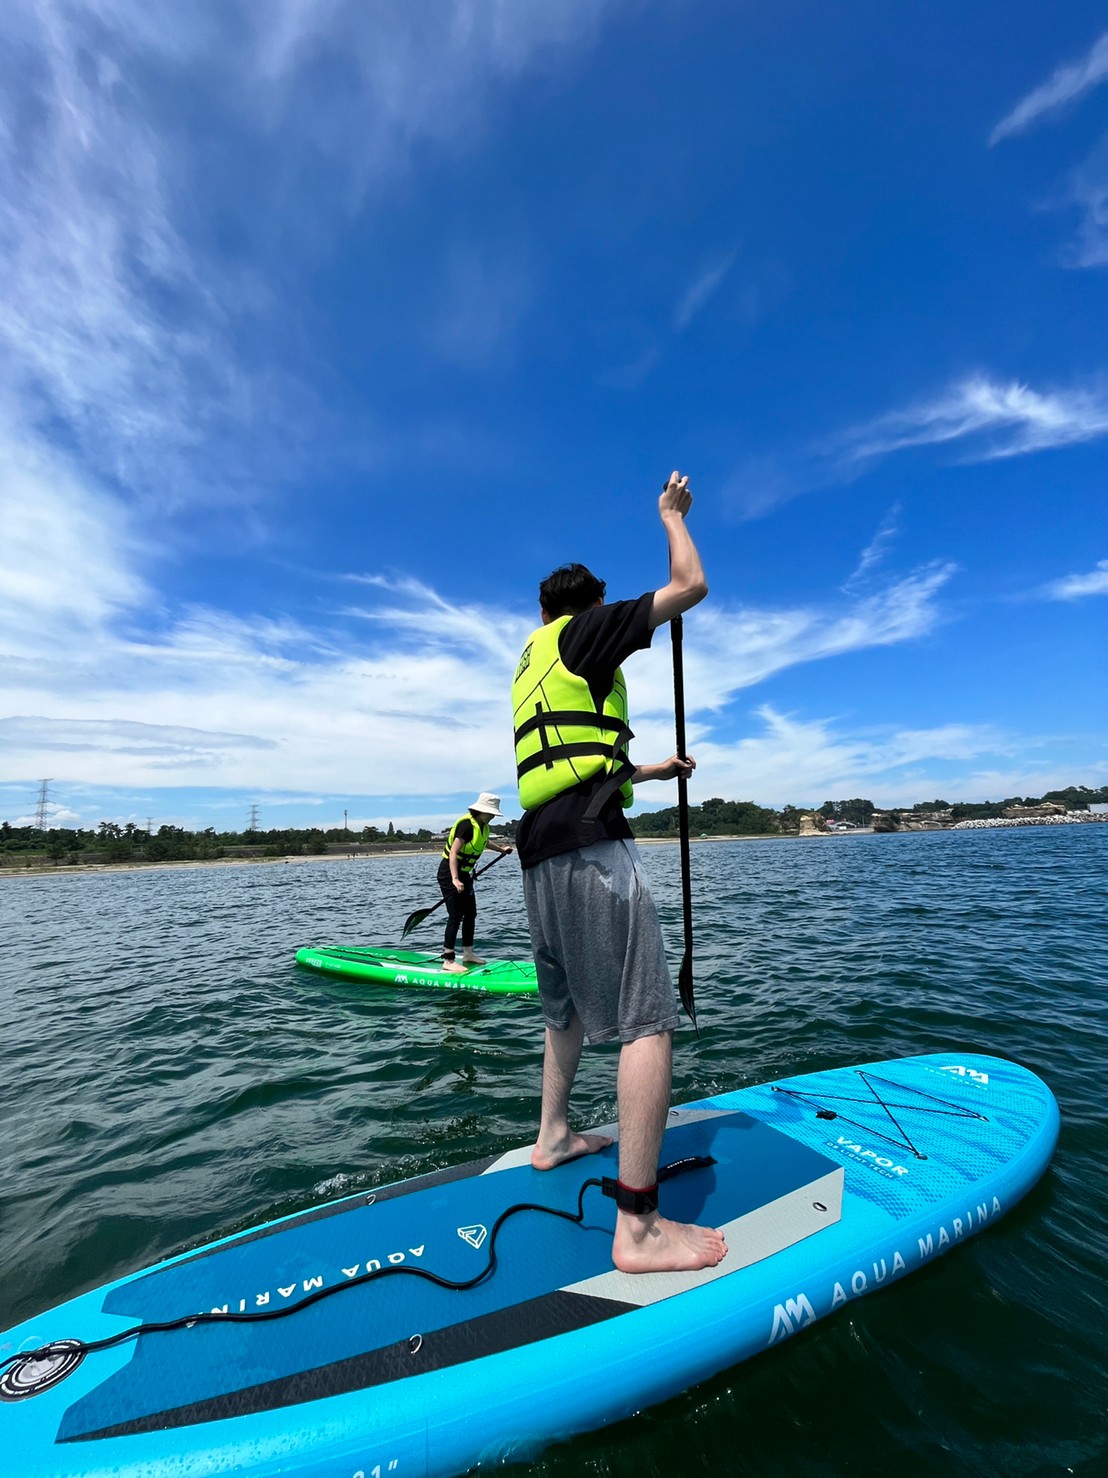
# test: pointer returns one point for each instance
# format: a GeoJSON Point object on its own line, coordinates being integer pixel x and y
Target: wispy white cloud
{"type": "Point", "coordinates": [55, 816]}
{"type": "Point", "coordinates": [1075, 587]}
{"type": "Point", "coordinates": [806, 761]}
{"type": "Point", "coordinates": [399, 81]}
{"type": "Point", "coordinates": [153, 744]}
{"type": "Point", "coordinates": [875, 551]}
{"type": "Point", "coordinates": [761, 484]}
{"type": "Point", "coordinates": [105, 322]}
{"type": "Point", "coordinates": [990, 419]}
{"type": "Point", "coordinates": [1086, 190]}
{"type": "Point", "coordinates": [733, 650]}
{"type": "Point", "coordinates": [1063, 87]}
{"type": "Point", "coordinates": [754, 645]}
{"type": "Point", "coordinates": [639, 344]}
{"type": "Point", "coordinates": [70, 560]}
{"type": "Point", "coordinates": [998, 419]}
{"type": "Point", "coordinates": [433, 622]}
{"type": "Point", "coordinates": [706, 283]}
{"type": "Point", "coordinates": [121, 319]}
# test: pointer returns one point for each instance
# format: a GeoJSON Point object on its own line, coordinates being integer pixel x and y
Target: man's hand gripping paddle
{"type": "Point", "coordinates": [416, 918]}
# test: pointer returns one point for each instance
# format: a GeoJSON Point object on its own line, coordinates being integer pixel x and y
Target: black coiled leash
{"type": "Point", "coordinates": [20, 1380]}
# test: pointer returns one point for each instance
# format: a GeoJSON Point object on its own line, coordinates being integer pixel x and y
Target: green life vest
{"type": "Point", "coordinates": [471, 850]}
{"type": "Point", "coordinates": [562, 738]}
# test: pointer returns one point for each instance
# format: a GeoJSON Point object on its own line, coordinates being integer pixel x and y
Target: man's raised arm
{"type": "Point", "coordinates": [687, 585]}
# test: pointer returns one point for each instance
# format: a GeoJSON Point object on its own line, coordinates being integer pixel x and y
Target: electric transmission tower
{"type": "Point", "coordinates": [42, 814]}
{"type": "Point", "coordinates": [252, 825]}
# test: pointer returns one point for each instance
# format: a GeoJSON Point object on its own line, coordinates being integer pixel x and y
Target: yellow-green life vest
{"type": "Point", "coordinates": [562, 738]}
{"type": "Point", "coordinates": [471, 850]}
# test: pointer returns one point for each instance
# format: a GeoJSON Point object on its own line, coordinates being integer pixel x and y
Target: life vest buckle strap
{"type": "Point", "coordinates": [544, 719]}
{"type": "Point", "coordinates": [614, 782]}
{"type": "Point", "coordinates": [548, 756]}
{"type": "Point", "coordinates": [623, 772]}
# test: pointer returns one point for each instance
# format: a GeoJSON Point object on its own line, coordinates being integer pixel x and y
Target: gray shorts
{"type": "Point", "coordinates": [598, 944]}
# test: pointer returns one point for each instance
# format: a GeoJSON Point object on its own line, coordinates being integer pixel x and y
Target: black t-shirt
{"type": "Point", "coordinates": [592, 645]}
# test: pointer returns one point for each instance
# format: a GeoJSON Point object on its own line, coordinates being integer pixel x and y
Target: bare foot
{"type": "Point", "coordinates": [546, 1156]}
{"type": "Point", "coordinates": [452, 967]}
{"type": "Point", "coordinates": [650, 1244]}
{"type": "Point", "coordinates": [470, 958]}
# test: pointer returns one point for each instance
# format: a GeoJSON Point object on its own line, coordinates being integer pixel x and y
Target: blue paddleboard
{"type": "Point", "coordinates": [828, 1186]}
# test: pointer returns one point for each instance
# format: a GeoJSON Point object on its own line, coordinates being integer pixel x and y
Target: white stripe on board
{"type": "Point", "coordinates": [750, 1238]}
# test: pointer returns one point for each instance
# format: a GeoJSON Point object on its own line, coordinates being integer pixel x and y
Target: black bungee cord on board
{"type": "Point", "coordinates": [947, 1109]}
{"type": "Point", "coordinates": [69, 1353]}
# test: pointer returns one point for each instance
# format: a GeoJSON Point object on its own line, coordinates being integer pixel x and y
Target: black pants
{"type": "Point", "coordinates": [461, 909]}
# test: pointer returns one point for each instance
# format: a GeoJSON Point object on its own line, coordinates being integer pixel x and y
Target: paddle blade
{"type": "Point", "coordinates": [414, 920]}
{"type": "Point", "coordinates": [685, 990]}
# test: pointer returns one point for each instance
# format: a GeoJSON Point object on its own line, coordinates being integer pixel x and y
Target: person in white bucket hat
{"type": "Point", "coordinates": [465, 841]}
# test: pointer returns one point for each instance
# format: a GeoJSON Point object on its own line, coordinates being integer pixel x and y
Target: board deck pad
{"type": "Point", "coordinates": [363, 1334]}
{"type": "Point", "coordinates": [410, 967]}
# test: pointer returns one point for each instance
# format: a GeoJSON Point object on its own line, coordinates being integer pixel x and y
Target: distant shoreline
{"type": "Point", "coordinates": [87, 868]}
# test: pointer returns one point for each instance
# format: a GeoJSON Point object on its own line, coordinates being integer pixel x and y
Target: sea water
{"type": "Point", "coordinates": [169, 1077]}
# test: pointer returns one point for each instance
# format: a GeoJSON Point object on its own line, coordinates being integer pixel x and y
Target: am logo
{"type": "Point", "coordinates": [790, 1316]}
{"type": "Point", "coordinates": [966, 1072]}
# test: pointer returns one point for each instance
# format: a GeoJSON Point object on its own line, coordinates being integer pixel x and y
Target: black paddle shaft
{"type": "Point", "coordinates": [685, 977]}
{"type": "Point", "coordinates": [416, 918]}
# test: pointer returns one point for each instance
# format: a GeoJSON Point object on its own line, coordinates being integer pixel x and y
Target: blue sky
{"type": "Point", "coordinates": [329, 329]}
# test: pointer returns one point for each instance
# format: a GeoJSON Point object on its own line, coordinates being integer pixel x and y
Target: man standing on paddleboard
{"type": "Point", "coordinates": [599, 954]}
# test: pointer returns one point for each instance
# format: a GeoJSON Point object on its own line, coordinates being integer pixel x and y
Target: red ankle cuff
{"type": "Point", "coordinates": [638, 1201]}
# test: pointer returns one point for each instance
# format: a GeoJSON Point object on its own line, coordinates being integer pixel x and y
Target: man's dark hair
{"type": "Point", "coordinates": [571, 588]}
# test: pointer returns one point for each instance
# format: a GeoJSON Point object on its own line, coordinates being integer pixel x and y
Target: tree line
{"type": "Point", "coordinates": [110, 842]}
{"type": "Point", "coordinates": [717, 817]}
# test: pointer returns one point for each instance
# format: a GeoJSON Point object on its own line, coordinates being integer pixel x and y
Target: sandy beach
{"type": "Point", "coordinates": [292, 860]}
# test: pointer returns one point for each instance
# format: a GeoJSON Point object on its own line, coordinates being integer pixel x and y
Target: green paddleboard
{"type": "Point", "coordinates": [404, 967]}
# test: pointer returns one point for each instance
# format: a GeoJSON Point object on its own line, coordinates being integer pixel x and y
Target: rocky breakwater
{"type": "Point", "coordinates": [1033, 816]}
{"type": "Point", "coordinates": [1048, 813]}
